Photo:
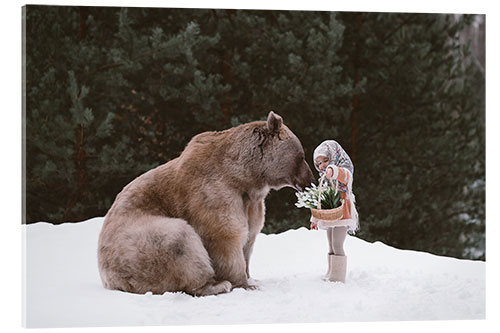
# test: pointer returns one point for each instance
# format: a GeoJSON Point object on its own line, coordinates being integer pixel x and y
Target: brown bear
{"type": "Point", "coordinates": [190, 224]}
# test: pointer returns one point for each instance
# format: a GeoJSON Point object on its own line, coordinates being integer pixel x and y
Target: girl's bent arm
{"type": "Point", "coordinates": [343, 175]}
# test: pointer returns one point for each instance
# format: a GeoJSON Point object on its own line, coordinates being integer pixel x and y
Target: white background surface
{"type": "Point", "coordinates": [10, 240]}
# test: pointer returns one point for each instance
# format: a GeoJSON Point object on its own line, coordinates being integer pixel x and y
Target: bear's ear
{"type": "Point", "coordinates": [274, 122]}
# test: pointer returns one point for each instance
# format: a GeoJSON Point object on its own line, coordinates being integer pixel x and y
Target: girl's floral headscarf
{"type": "Point", "coordinates": [332, 150]}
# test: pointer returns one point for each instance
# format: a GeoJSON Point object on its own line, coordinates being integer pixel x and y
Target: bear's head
{"type": "Point", "coordinates": [283, 162]}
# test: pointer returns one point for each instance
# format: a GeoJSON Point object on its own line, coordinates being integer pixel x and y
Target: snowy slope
{"type": "Point", "coordinates": [63, 288]}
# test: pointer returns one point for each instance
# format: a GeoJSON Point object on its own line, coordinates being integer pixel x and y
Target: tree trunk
{"type": "Point", "coordinates": [227, 75]}
{"type": "Point", "coordinates": [355, 99]}
{"type": "Point", "coordinates": [226, 100]}
{"type": "Point", "coordinates": [80, 168]}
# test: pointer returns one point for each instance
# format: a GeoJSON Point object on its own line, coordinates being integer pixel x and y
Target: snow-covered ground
{"type": "Point", "coordinates": [62, 287]}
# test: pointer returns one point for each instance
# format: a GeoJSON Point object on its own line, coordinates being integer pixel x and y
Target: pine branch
{"type": "Point", "coordinates": [119, 64]}
{"type": "Point", "coordinates": [408, 20]}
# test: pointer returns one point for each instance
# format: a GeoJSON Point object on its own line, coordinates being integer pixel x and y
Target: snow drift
{"type": "Point", "coordinates": [62, 288]}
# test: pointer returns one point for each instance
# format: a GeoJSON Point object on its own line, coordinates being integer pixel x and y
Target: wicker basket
{"type": "Point", "coordinates": [329, 215]}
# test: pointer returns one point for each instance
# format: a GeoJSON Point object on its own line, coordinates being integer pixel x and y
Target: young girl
{"type": "Point", "coordinates": [332, 160]}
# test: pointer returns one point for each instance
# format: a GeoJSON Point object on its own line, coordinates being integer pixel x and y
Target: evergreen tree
{"type": "Point", "coordinates": [113, 92]}
{"type": "Point", "coordinates": [153, 78]}
{"type": "Point", "coordinates": [109, 96]}
{"type": "Point", "coordinates": [419, 150]}
{"type": "Point", "coordinates": [284, 61]}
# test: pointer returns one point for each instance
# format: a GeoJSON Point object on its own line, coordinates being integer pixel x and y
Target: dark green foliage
{"type": "Point", "coordinates": [113, 92]}
{"type": "Point", "coordinates": [331, 198]}
{"type": "Point", "coordinates": [420, 148]}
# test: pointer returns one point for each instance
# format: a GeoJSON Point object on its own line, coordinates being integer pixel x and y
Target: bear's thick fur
{"type": "Point", "coordinates": [190, 224]}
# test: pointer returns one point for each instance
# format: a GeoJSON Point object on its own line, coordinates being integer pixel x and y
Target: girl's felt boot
{"type": "Point", "coordinates": [327, 275]}
{"type": "Point", "coordinates": [338, 268]}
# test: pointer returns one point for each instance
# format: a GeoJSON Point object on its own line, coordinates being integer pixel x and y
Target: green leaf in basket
{"type": "Point", "coordinates": [330, 199]}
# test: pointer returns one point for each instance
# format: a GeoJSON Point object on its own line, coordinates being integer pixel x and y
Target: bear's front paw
{"type": "Point", "coordinates": [245, 285]}
{"type": "Point", "coordinates": [224, 287]}
{"type": "Point", "coordinates": [253, 284]}
{"type": "Point", "coordinates": [214, 289]}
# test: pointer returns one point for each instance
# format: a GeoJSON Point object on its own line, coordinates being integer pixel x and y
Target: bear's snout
{"type": "Point", "coordinates": [304, 177]}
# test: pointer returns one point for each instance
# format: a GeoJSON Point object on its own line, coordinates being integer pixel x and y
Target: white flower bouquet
{"type": "Point", "coordinates": [308, 198]}
{"type": "Point", "coordinates": [324, 202]}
